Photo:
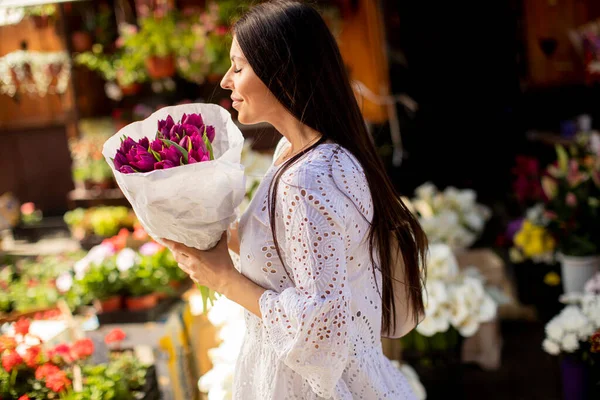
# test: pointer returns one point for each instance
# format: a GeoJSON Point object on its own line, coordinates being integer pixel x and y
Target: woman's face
{"type": "Point", "coordinates": [251, 98]}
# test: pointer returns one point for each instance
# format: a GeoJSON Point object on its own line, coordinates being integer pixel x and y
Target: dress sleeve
{"type": "Point", "coordinates": [307, 324]}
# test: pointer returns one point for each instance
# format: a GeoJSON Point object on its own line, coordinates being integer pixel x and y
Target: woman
{"type": "Point", "coordinates": [316, 240]}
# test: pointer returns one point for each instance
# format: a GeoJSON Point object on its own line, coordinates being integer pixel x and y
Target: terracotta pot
{"type": "Point", "coordinates": [82, 41]}
{"type": "Point", "coordinates": [142, 302]}
{"type": "Point", "coordinates": [160, 67]}
{"type": "Point", "coordinates": [111, 304]}
{"type": "Point", "coordinates": [40, 21]}
{"type": "Point", "coordinates": [131, 89]}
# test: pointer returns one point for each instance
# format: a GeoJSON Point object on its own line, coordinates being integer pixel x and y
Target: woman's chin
{"type": "Point", "coordinates": [245, 119]}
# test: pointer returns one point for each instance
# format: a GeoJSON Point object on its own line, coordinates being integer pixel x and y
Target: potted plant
{"type": "Point", "coordinates": [574, 336]}
{"type": "Point", "coordinates": [41, 15]}
{"type": "Point", "coordinates": [144, 283]}
{"type": "Point", "coordinates": [156, 45]}
{"type": "Point", "coordinates": [572, 188]}
{"type": "Point", "coordinates": [533, 257]}
{"type": "Point", "coordinates": [104, 283]}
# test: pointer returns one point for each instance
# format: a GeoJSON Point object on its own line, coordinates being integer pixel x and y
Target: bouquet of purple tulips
{"type": "Point", "coordinates": [175, 144]}
{"type": "Point", "coordinates": [183, 179]}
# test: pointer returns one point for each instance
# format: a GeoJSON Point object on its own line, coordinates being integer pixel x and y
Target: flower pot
{"type": "Point", "coordinates": [576, 271]}
{"type": "Point", "coordinates": [82, 41]}
{"type": "Point", "coordinates": [142, 302]}
{"type": "Point", "coordinates": [160, 67]}
{"type": "Point", "coordinates": [131, 89]}
{"type": "Point", "coordinates": [111, 304]}
{"type": "Point", "coordinates": [575, 379]}
{"type": "Point", "coordinates": [41, 21]}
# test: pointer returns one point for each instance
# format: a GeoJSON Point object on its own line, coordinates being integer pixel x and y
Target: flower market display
{"type": "Point", "coordinates": [34, 370]}
{"type": "Point", "coordinates": [451, 216]}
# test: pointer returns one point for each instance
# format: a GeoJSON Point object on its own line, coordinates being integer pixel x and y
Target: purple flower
{"type": "Point", "coordinates": [150, 248]}
{"type": "Point", "coordinates": [144, 142]}
{"type": "Point", "coordinates": [186, 143]}
{"type": "Point", "coordinates": [120, 160]}
{"type": "Point", "coordinates": [190, 129]}
{"type": "Point", "coordinates": [192, 119]}
{"type": "Point", "coordinates": [172, 154]}
{"type": "Point", "coordinates": [210, 133]}
{"type": "Point", "coordinates": [177, 133]}
{"type": "Point", "coordinates": [157, 145]}
{"type": "Point", "coordinates": [164, 164]}
{"type": "Point", "coordinates": [127, 144]}
{"type": "Point", "coordinates": [165, 125]}
{"type": "Point", "coordinates": [140, 159]}
{"type": "Point", "coordinates": [198, 143]}
{"type": "Point", "coordinates": [198, 156]}
{"type": "Point", "coordinates": [126, 169]}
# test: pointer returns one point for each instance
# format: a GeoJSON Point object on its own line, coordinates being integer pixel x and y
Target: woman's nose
{"type": "Point", "coordinates": [226, 82]}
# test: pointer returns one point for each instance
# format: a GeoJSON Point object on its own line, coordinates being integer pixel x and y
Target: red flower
{"type": "Point", "coordinates": [82, 348]}
{"type": "Point", "coordinates": [46, 370]}
{"type": "Point", "coordinates": [63, 351]}
{"type": "Point", "coordinates": [22, 326]}
{"type": "Point", "coordinates": [595, 341]}
{"type": "Point", "coordinates": [7, 343]}
{"type": "Point", "coordinates": [11, 360]}
{"type": "Point", "coordinates": [32, 356]}
{"type": "Point", "coordinates": [58, 381]}
{"type": "Point", "coordinates": [116, 335]}
{"type": "Point", "coordinates": [24, 397]}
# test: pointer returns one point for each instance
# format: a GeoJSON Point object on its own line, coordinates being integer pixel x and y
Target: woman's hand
{"type": "Point", "coordinates": [211, 268]}
{"type": "Point", "coordinates": [214, 269]}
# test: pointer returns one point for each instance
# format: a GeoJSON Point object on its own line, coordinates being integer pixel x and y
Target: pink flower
{"type": "Point", "coordinates": [11, 360]}
{"type": "Point", "coordinates": [27, 208]}
{"type": "Point", "coordinates": [571, 200]}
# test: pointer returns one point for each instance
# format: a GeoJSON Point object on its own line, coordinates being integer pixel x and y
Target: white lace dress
{"type": "Point", "coordinates": [319, 336]}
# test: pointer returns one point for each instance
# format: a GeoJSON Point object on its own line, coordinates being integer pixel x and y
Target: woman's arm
{"type": "Point", "coordinates": [234, 238]}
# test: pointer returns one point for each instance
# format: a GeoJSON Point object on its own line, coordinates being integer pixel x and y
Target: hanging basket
{"type": "Point", "coordinates": [160, 67]}
{"type": "Point", "coordinates": [576, 271]}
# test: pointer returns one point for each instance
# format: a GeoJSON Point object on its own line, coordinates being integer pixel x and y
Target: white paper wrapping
{"type": "Point", "coordinates": [192, 204]}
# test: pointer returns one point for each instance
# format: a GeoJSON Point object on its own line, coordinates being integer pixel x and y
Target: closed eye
{"type": "Point", "coordinates": [236, 70]}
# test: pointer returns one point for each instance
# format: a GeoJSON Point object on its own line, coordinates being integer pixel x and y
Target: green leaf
{"type": "Point", "coordinates": [208, 145]}
{"type": "Point", "coordinates": [181, 149]}
{"type": "Point", "coordinates": [154, 153]}
{"type": "Point", "coordinates": [563, 158]}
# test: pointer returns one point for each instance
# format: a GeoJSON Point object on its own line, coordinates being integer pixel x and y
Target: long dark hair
{"type": "Point", "coordinates": [290, 48]}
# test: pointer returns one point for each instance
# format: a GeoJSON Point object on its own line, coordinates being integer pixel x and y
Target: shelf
{"type": "Point", "coordinates": [85, 195]}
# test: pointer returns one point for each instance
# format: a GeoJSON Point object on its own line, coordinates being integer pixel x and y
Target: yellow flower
{"type": "Point", "coordinates": [552, 279]}
{"type": "Point", "coordinates": [533, 240]}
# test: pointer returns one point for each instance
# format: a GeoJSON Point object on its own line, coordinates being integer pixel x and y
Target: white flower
{"type": "Point", "coordinates": [570, 343]}
{"type": "Point", "coordinates": [441, 262]}
{"type": "Point", "coordinates": [96, 256]}
{"type": "Point", "coordinates": [113, 91]}
{"type": "Point", "coordinates": [64, 282]}
{"type": "Point", "coordinates": [126, 259]}
{"type": "Point", "coordinates": [551, 347]}
{"type": "Point", "coordinates": [468, 327]}
{"type": "Point", "coordinates": [474, 221]}
{"type": "Point", "coordinates": [426, 191]}
{"type": "Point", "coordinates": [555, 330]}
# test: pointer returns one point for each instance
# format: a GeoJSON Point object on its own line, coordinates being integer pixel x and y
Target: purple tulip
{"type": "Point", "coordinates": [140, 159]}
{"type": "Point", "coordinates": [210, 133]}
{"type": "Point", "coordinates": [171, 154]}
{"type": "Point", "coordinates": [192, 119]}
{"type": "Point", "coordinates": [144, 142]}
{"type": "Point", "coordinates": [165, 125]}
{"type": "Point", "coordinates": [126, 169]}
{"type": "Point", "coordinates": [127, 144]}
{"type": "Point", "coordinates": [164, 164]}
{"type": "Point", "coordinates": [198, 143]}
{"type": "Point", "coordinates": [190, 130]}
{"type": "Point", "coordinates": [186, 143]}
{"type": "Point", "coordinates": [120, 160]}
{"type": "Point", "coordinates": [157, 145]}
{"type": "Point", "coordinates": [177, 133]}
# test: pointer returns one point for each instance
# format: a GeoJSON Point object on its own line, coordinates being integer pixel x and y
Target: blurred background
{"type": "Point", "coordinates": [485, 114]}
